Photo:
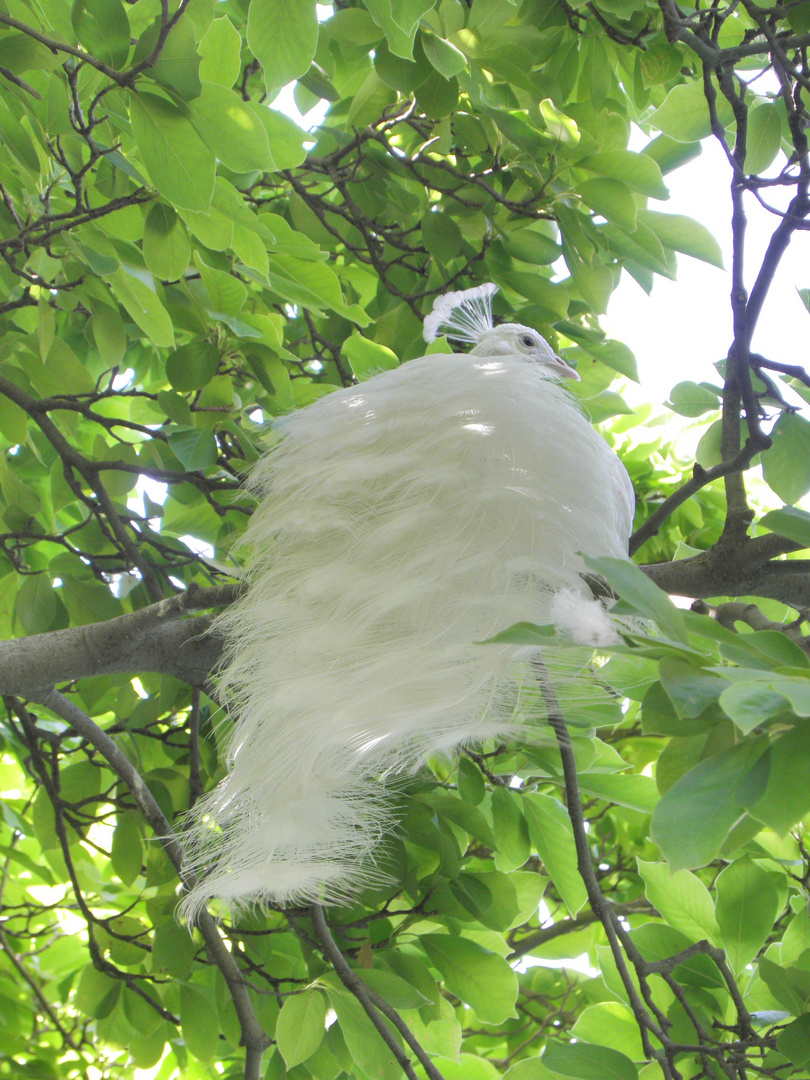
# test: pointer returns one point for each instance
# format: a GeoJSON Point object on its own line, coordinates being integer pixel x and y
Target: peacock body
{"type": "Point", "coordinates": [400, 523]}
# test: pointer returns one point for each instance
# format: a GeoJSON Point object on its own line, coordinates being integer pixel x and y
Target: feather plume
{"type": "Point", "coordinates": [463, 316]}
{"type": "Point", "coordinates": [399, 523]}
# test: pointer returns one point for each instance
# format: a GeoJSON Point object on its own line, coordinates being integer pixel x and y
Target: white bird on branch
{"type": "Point", "coordinates": [400, 523]}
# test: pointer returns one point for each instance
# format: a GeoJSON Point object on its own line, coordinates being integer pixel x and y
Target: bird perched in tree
{"type": "Point", "coordinates": [401, 522]}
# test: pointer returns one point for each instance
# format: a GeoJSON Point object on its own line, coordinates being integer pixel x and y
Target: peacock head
{"type": "Point", "coordinates": [467, 316]}
{"type": "Point", "coordinates": [512, 339]}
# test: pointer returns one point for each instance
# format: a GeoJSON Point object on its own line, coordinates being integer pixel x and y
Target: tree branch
{"type": "Point", "coordinates": [372, 1003]}
{"type": "Point", "coordinates": [254, 1038]}
{"type": "Point", "coordinates": [156, 638]}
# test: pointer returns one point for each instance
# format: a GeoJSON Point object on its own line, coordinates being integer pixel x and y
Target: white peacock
{"type": "Point", "coordinates": [400, 523]}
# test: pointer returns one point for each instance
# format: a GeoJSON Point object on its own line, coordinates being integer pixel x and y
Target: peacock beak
{"type": "Point", "coordinates": [560, 366]}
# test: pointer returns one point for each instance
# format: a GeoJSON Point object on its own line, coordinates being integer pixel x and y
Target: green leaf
{"type": "Point", "coordinates": [108, 332]}
{"type": "Point", "coordinates": [143, 306]}
{"type": "Point", "coordinates": [43, 821]}
{"type": "Point", "coordinates": [311, 284]}
{"type": "Point", "coordinates": [533, 245]}
{"type": "Point", "coordinates": [301, 1026]}
{"type": "Point", "coordinates": [616, 355]}
{"type": "Point", "coordinates": [416, 973]}
{"type": "Point", "coordinates": [16, 139]}
{"type": "Point", "coordinates": [552, 299]}
{"type": "Point", "coordinates": [20, 496]}
{"type": "Point", "coordinates": [799, 18]}
{"type": "Point", "coordinates": [511, 830]}
{"type": "Point", "coordinates": [441, 236]}
{"type": "Point", "coordinates": [786, 466]}
{"type": "Point", "coordinates": [786, 798]}
{"type": "Point", "coordinates": [528, 1069]}
{"type": "Point", "coordinates": [637, 171]}
{"type": "Point", "coordinates": [480, 978]}
{"type": "Point", "coordinates": [221, 53]}
{"type": "Point", "coordinates": [684, 234]}
{"type": "Point", "coordinates": [660, 63]}
{"type": "Point", "coordinates": [764, 138]}
{"type": "Point", "coordinates": [283, 36]}
{"type": "Point", "coordinates": [166, 246]}
{"type": "Point", "coordinates": [37, 605]}
{"type": "Point", "coordinates": [445, 58]}
{"type": "Point", "coordinates": [437, 97]}
{"type": "Point", "coordinates": [199, 1024]}
{"type": "Point", "coordinates": [693, 819]}
{"type": "Point", "coordinates": [196, 449]}
{"type": "Point", "coordinates": [97, 993]}
{"type": "Point", "coordinates": [789, 985]}
{"type": "Point", "coordinates": [558, 124]}
{"type": "Point", "coordinates": [173, 950]}
{"type": "Point", "coordinates": [399, 20]}
{"type": "Point", "coordinates": [145, 1018]}
{"type": "Point", "coordinates": [285, 137]}
{"type": "Point", "coordinates": [636, 588]}
{"type": "Point", "coordinates": [791, 522]}
{"type": "Point", "coordinates": [553, 837]}
{"type": "Point", "coordinates": [793, 1042]}
{"type": "Point", "coordinates": [491, 898]}
{"type": "Point", "coordinates": [192, 366]}
{"type": "Point", "coordinates": [13, 422]}
{"type": "Point", "coordinates": [747, 906]}
{"type": "Point", "coordinates": [612, 199]}
{"type": "Point", "coordinates": [683, 900]}
{"type": "Point", "coordinates": [20, 52]}
{"type": "Point", "coordinates": [612, 1024]}
{"type": "Point", "coordinates": [395, 990]}
{"type": "Point", "coordinates": [367, 357]}
{"type": "Point", "coordinates": [179, 164]}
{"type": "Point", "coordinates": [126, 851]}
{"type": "Point", "coordinates": [587, 1062]}
{"type": "Point", "coordinates": [398, 73]}
{"type": "Point", "coordinates": [656, 942]}
{"type": "Point", "coordinates": [671, 154]}
{"type": "Point", "coordinates": [471, 786]}
{"type": "Point", "coordinates": [365, 1047]}
{"type": "Point", "coordinates": [693, 399]}
{"type": "Point", "coordinates": [178, 66]}
{"type": "Point", "coordinates": [226, 292]}
{"type": "Point", "coordinates": [230, 129]}
{"type": "Point", "coordinates": [147, 1050]}
{"type": "Point", "coordinates": [102, 28]}
{"type": "Point", "coordinates": [691, 689]}
{"type": "Point", "coordinates": [523, 633]}
{"type": "Point", "coordinates": [750, 704]}
{"type": "Point", "coordinates": [634, 791]}
{"type": "Point", "coordinates": [684, 116]}
{"type": "Point", "coordinates": [353, 26]}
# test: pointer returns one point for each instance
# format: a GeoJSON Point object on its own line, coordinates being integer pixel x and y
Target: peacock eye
{"type": "Point", "coordinates": [527, 340]}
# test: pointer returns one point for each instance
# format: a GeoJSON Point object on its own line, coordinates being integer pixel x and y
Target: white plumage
{"type": "Point", "coordinates": [400, 523]}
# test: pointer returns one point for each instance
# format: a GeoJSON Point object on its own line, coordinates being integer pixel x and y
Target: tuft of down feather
{"type": "Point", "coordinates": [399, 523]}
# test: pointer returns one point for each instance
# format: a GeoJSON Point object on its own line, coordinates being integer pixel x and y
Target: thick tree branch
{"type": "Point", "coordinates": [747, 570]}
{"type": "Point", "coordinates": [157, 638]}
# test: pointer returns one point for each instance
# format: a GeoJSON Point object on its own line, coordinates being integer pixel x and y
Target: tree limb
{"type": "Point", "coordinates": [155, 638]}
{"type": "Point", "coordinates": [254, 1037]}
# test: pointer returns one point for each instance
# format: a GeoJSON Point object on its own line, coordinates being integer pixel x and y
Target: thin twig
{"type": "Point", "coordinates": [372, 1003]}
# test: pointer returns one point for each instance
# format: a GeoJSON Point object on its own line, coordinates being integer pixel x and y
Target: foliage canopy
{"type": "Point", "coordinates": [181, 262]}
